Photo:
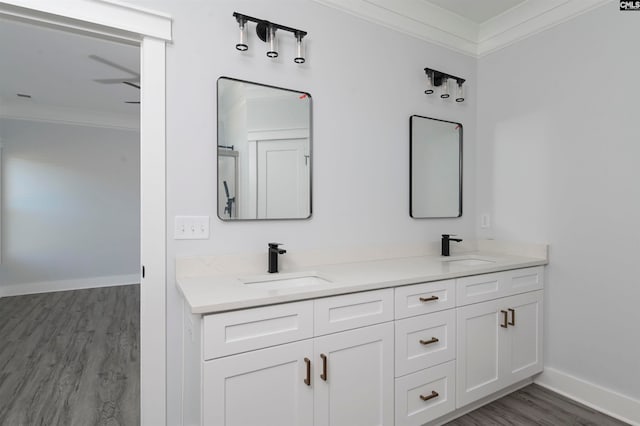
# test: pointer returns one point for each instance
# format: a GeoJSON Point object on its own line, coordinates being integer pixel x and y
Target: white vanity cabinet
{"type": "Point", "coordinates": [341, 374]}
{"type": "Point", "coordinates": [499, 340]}
{"type": "Point", "coordinates": [403, 356]}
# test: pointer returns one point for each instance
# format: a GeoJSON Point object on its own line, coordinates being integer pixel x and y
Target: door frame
{"type": "Point", "coordinates": [151, 31]}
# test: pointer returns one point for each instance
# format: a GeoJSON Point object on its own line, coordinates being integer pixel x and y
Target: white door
{"type": "Point", "coordinates": [480, 335]}
{"type": "Point", "coordinates": [283, 179]}
{"type": "Point", "coordinates": [523, 351]}
{"type": "Point", "coordinates": [356, 386]}
{"type": "Point", "coordinates": [267, 387]}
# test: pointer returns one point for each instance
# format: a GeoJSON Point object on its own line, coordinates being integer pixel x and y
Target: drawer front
{"type": "Point", "coordinates": [249, 329]}
{"type": "Point", "coordinates": [524, 280]}
{"type": "Point", "coordinates": [421, 299]}
{"type": "Point", "coordinates": [479, 288]}
{"type": "Point", "coordinates": [435, 384]}
{"type": "Point", "coordinates": [425, 341]}
{"type": "Point", "coordinates": [333, 314]}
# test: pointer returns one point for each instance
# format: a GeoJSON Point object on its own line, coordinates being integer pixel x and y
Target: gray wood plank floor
{"type": "Point", "coordinates": [535, 405]}
{"type": "Point", "coordinates": [71, 358]}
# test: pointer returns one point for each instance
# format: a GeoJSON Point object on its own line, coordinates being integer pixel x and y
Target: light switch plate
{"type": "Point", "coordinates": [191, 228]}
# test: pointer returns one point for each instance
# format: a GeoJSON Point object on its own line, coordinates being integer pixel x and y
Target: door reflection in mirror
{"type": "Point", "coordinates": [435, 168]}
{"type": "Point", "coordinates": [264, 151]}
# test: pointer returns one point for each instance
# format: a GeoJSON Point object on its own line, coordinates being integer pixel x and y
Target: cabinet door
{"type": "Point", "coordinates": [356, 386]}
{"type": "Point", "coordinates": [260, 388]}
{"type": "Point", "coordinates": [479, 339]}
{"type": "Point", "coordinates": [523, 350]}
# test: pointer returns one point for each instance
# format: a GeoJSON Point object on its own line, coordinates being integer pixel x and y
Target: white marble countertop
{"type": "Point", "coordinates": [225, 292]}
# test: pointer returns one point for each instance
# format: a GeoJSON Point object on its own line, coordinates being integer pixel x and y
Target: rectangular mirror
{"type": "Point", "coordinates": [264, 151]}
{"type": "Point", "coordinates": [435, 168]}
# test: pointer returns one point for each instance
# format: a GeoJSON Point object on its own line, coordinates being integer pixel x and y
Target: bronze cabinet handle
{"type": "Point", "coordinates": [429, 299]}
{"type": "Point", "coordinates": [513, 317]}
{"type": "Point", "coordinates": [434, 394]}
{"type": "Point", "coordinates": [428, 342]}
{"type": "Point", "coordinates": [323, 376]}
{"type": "Point", "coordinates": [307, 380]}
{"type": "Point", "coordinates": [504, 319]}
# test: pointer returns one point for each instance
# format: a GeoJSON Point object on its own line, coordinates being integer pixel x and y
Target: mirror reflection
{"type": "Point", "coordinates": [436, 168]}
{"type": "Point", "coordinates": [264, 151]}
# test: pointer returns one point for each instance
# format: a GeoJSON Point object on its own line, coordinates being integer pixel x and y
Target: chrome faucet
{"type": "Point", "coordinates": [446, 238]}
{"type": "Point", "coordinates": [274, 251]}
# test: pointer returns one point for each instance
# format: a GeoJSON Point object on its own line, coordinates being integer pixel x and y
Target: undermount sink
{"type": "Point", "coordinates": [286, 281]}
{"type": "Point", "coordinates": [467, 261]}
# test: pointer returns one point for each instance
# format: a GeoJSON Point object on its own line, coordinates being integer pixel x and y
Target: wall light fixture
{"type": "Point", "coordinates": [266, 32]}
{"type": "Point", "coordinates": [440, 79]}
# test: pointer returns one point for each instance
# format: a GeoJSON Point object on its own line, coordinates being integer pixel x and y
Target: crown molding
{"type": "Point", "coordinates": [28, 111]}
{"type": "Point", "coordinates": [426, 21]}
{"type": "Point", "coordinates": [93, 16]}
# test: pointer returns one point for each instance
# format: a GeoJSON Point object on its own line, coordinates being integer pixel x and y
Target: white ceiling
{"type": "Point", "coordinates": [56, 69]}
{"type": "Point", "coordinates": [477, 11]}
{"type": "Point", "coordinates": [472, 27]}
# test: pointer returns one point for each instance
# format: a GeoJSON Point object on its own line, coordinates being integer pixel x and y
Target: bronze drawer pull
{"type": "Point", "coordinates": [513, 316]}
{"type": "Point", "coordinates": [504, 319]}
{"type": "Point", "coordinates": [307, 380]}
{"type": "Point", "coordinates": [323, 376]}
{"type": "Point", "coordinates": [434, 394]}
{"type": "Point", "coordinates": [429, 299]}
{"type": "Point", "coordinates": [428, 342]}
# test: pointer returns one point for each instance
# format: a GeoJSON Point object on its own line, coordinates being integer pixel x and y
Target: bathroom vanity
{"type": "Point", "coordinates": [403, 341]}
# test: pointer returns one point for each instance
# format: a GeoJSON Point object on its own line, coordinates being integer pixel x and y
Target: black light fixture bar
{"type": "Point", "coordinates": [438, 76]}
{"type": "Point", "coordinates": [263, 25]}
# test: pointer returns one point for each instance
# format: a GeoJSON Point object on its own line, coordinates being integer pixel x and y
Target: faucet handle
{"type": "Point", "coordinates": [448, 235]}
{"type": "Point", "coordinates": [274, 245]}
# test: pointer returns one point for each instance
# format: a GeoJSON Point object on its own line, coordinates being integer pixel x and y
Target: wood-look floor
{"type": "Point", "coordinates": [71, 358]}
{"type": "Point", "coordinates": [535, 405]}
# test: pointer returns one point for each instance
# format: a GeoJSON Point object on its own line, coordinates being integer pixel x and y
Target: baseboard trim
{"type": "Point", "coordinates": [604, 400]}
{"type": "Point", "coordinates": [65, 285]}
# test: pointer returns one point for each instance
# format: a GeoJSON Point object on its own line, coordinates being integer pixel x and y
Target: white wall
{"type": "Point", "coordinates": [558, 150]}
{"type": "Point", "coordinates": [71, 206]}
{"type": "Point", "coordinates": [365, 82]}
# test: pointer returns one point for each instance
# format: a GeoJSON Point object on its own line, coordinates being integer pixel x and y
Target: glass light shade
{"type": "Point", "coordinates": [299, 59]}
{"type": "Point", "coordinates": [242, 42]}
{"type": "Point", "coordinates": [459, 92]}
{"type": "Point", "coordinates": [444, 88]}
{"type": "Point", "coordinates": [429, 89]}
{"type": "Point", "coordinates": [272, 42]}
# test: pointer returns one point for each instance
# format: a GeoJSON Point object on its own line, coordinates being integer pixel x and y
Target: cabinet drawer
{"type": "Point", "coordinates": [425, 341]}
{"type": "Point", "coordinates": [249, 329]}
{"type": "Point", "coordinates": [435, 383]}
{"type": "Point", "coordinates": [421, 299]}
{"type": "Point", "coordinates": [333, 314]}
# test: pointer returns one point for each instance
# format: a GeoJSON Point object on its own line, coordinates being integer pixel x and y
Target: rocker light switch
{"type": "Point", "coordinates": [191, 228]}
